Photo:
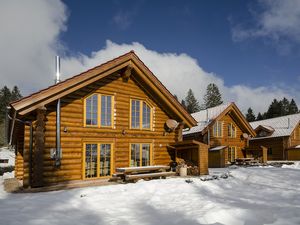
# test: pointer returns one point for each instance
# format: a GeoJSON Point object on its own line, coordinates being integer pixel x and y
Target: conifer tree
{"type": "Point", "coordinates": [293, 108]}
{"type": "Point", "coordinates": [183, 103]}
{"type": "Point", "coordinates": [192, 104]}
{"type": "Point", "coordinates": [15, 94]}
{"type": "Point", "coordinates": [250, 117]}
{"type": "Point", "coordinates": [259, 117]}
{"type": "Point", "coordinates": [213, 96]}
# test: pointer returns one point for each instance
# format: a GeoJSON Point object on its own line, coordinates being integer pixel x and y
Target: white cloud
{"type": "Point", "coordinates": [179, 72]}
{"type": "Point", "coordinates": [28, 41]}
{"type": "Point", "coordinates": [274, 19]}
{"type": "Point", "coordinates": [31, 40]}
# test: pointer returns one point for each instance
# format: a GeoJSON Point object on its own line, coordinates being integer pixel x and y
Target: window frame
{"type": "Point", "coordinates": [99, 109]}
{"type": "Point", "coordinates": [217, 124]}
{"type": "Point", "coordinates": [98, 159]}
{"type": "Point", "coordinates": [141, 103]}
{"type": "Point", "coordinates": [141, 152]}
{"type": "Point", "coordinates": [230, 127]}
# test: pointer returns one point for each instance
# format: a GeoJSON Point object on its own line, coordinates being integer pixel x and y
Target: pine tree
{"type": "Point", "coordinates": [250, 117]}
{"type": "Point", "coordinates": [15, 94]}
{"type": "Point", "coordinates": [5, 97]}
{"type": "Point", "coordinates": [293, 108]}
{"type": "Point", "coordinates": [275, 109]}
{"type": "Point", "coordinates": [285, 103]}
{"type": "Point", "coordinates": [259, 117]}
{"type": "Point", "coordinates": [213, 96]}
{"type": "Point", "coordinates": [192, 104]}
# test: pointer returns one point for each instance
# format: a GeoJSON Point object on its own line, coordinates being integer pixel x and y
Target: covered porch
{"type": "Point", "coordinates": [192, 151]}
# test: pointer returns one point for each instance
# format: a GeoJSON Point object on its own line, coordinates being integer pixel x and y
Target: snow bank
{"type": "Point", "coordinates": [5, 153]}
{"type": "Point", "coordinates": [249, 196]}
{"type": "Point", "coordinates": [296, 165]}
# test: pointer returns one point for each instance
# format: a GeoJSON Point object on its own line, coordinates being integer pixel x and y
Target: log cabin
{"type": "Point", "coordinates": [281, 137]}
{"type": "Point", "coordinates": [225, 130]}
{"type": "Point", "coordinates": [83, 128]}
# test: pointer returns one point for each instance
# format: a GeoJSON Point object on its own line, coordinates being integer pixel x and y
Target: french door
{"type": "Point", "coordinates": [97, 160]}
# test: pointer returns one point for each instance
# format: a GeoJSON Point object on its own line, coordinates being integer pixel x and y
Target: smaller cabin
{"type": "Point", "coordinates": [225, 130]}
{"type": "Point", "coordinates": [281, 137]}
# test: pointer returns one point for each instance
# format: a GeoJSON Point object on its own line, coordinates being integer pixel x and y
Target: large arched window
{"type": "Point", "coordinates": [140, 115]}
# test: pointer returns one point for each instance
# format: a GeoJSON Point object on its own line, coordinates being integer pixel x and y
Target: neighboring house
{"type": "Point", "coordinates": [111, 116]}
{"type": "Point", "coordinates": [226, 131]}
{"type": "Point", "coordinates": [281, 136]}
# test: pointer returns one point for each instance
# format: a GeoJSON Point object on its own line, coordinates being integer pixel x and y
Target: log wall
{"type": "Point", "coordinates": [74, 134]}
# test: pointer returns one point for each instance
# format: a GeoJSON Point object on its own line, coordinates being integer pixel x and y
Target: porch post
{"type": "Point", "coordinates": [39, 148]}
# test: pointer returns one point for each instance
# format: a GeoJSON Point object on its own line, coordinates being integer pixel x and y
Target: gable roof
{"type": "Point", "coordinates": [206, 118]}
{"type": "Point", "coordinates": [117, 65]}
{"type": "Point", "coordinates": [282, 126]}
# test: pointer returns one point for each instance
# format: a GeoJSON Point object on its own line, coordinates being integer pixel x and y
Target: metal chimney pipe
{"type": "Point", "coordinates": [58, 144]}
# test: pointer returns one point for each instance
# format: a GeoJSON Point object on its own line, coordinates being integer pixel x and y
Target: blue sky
{"type": "Point", "coordinates": [250, 49]}
{"type": "Point", "coordinates": [202, 29]}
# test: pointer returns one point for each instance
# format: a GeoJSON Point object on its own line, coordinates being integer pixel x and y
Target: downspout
{"type": "Point", "coordinates": [12, 127]}
{"type": "Point", "coordinates": [30, 151]}
{"type": "Point", "coordinates": [208, 129]}
{"type": "Point", "coordinates": [58, 144]}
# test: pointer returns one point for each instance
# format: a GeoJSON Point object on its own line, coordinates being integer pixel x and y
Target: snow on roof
{"type": "Point", "coordinates": [283, 126]}
{"type": "Point", "coordinates": [204, 117]}
{"type": "Point", "coordinates": [217, 148]}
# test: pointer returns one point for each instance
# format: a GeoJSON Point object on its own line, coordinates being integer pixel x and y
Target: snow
{"type": "Point", "coordinates": [217, 148]}
{"type": "Point", "coordinates": [5, 153]}
{"type": "Point", "coordinates": [255, 195]}
{"type": "Point", "coordinates": [296, 165]}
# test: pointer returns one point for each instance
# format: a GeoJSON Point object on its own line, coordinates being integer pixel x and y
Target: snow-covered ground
{"type": "Point", "coordinates": [250, 196]}
{"type": "Point", "coordinates": [6, 153]}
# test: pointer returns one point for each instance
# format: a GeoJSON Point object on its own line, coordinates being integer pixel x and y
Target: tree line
{"type": "Point", "coordinates": [7, 95]}
{"type": "Point", "coordinates": [213, 98]}
{"type": "Point", "coordinates": [276, 108]}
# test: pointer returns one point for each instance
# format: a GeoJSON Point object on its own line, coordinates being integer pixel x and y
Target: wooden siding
{"type": "Point", "coordinates": [293, 154]}
{"type": "Point", "coordinates": [74, 134]}
{"type": "Point", "coordinates": [295, 137]}
{"type": "Point", "coordinates": [278, 146]}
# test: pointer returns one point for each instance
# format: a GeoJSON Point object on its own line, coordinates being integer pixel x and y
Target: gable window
{"type": "Point", "coordinates": [106, 110]}
{"type": "Point", "coordinates": [91, 110]}
{"type": "Point", "coordinates": [98, 110]}
{"type": "Point", "coordinates": [140, 115]}
{"type": "Point", "coordinates": [217, 129]}
{"type": "Point", "coordinates": [140, 154]}
{"type": "Point", "coordinates": [231, 154]}
{"type": "Point", "coordinates": [231, 130]}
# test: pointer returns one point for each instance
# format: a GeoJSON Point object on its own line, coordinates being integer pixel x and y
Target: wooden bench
{"type": "Point", "coordinates": [143, 172]}
{"type": "Point", "coordinates": [148, 175]}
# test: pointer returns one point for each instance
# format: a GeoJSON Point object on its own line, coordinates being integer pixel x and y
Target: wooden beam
{"type": "Point", "coordinates": [39, 148]}
{"type": "Point", "coordinates": [125, 74]}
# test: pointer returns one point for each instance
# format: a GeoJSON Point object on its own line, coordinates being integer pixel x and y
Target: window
{"type": "Point", "coordinates": [135, 114]}
{"type": "Point", "coordinates": [217, 129]}
{"type": "Point", "coordinates": [97, 160]}
{"type": "Point", "coordinates": [99, 110]}
{"type": "Point", "coordinates": [140, 154]}
{"type": "Point", "coordinates": [106, 108]}
{"type": "Point", "coordinates": [91, 110]}
{"type": "Point", "coordinates": [231, 130]}
{"type": "Point", "coordinates": [270, 151]}
{"type": "Point", "coordinates": [231, 154]}
{"type": "Point", "coordinates": [141, 115]}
